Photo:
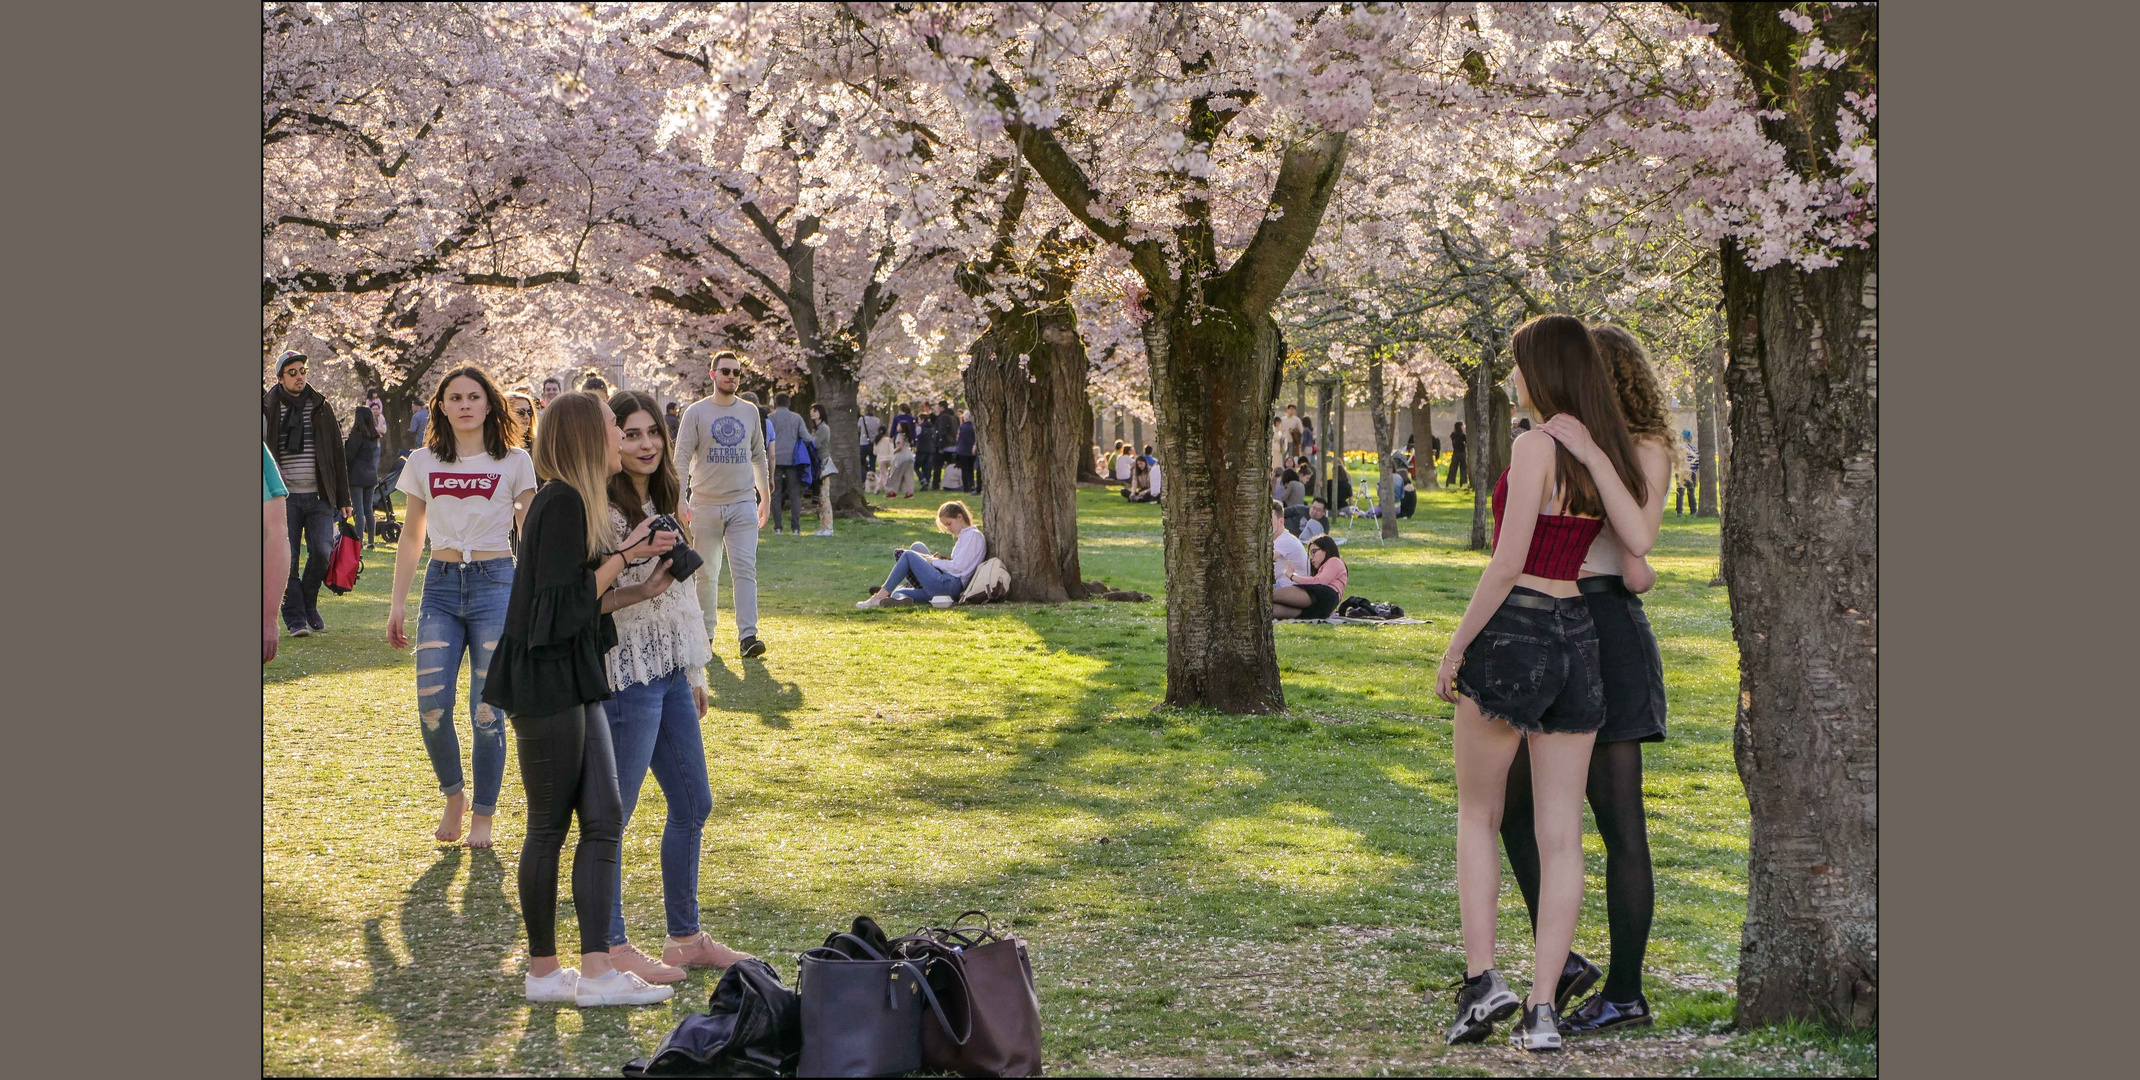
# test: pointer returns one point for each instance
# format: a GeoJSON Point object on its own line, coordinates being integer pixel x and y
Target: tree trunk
{"type": "Point", "coordinates": [1801, 550]}
{"type": "Point", "coordinates": [1476, 453]}
{"type": "Point", "coordinates": [1429, 478]}
{"type": "Point", "coordinates": [1386, 486]}
{"type": "Point", "coordinates": [840, 393]}
{"type": "Point", "coordinates": [1025, 382]}
{"type": "Point", "coordinates": [1088, 467]}
{"type": "Point", "coordinates": [1705, 435]}
{"type": "Point", "coordinates": [1213, 379]}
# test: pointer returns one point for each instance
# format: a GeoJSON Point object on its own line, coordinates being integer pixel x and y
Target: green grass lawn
{"type": "Point", "coordinates": [1202, 893]}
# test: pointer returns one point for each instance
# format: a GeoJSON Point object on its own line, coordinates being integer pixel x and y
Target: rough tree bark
{"type": "Point", "coordinates": [1801, 559]}
{"type": "Point", "coordinates": [1025, 381]}
{"type": "Point", "coordinates": [1429, 478]}
{"type": "Point", "coordinates": [1476, 453]}
{"type": "Point", "coordinates": [1088, 466]}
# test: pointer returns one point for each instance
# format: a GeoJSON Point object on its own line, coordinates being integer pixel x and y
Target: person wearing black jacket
{"type": "Point", "coordinates": [361, 452]}
{"type": "Point", "coordinates": [300, 430]}
{"type": "Point", "coordinates": [947, 437]}
{"type": "Point", "coordinates": [1459, 469]}
{"type": "Point", "coordinates": [548, 676]}
{"type": "Point", "coordinates": [928, 469]}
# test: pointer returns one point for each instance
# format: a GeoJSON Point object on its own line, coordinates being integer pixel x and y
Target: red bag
{"type": "Point", "coordinates": [348, 560]}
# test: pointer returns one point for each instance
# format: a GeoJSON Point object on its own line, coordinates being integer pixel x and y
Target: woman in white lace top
{"type": "Point", "coordinates": [657, 672]}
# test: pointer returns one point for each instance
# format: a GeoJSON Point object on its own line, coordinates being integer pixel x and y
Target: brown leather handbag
{"type": "Point", "coordinates": [1004, 1039]}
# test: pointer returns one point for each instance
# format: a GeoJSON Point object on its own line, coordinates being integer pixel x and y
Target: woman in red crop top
{"type": "Point", "coordinates": [1522, 668]}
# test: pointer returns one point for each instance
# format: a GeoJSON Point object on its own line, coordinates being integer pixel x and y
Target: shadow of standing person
{"type": "Point", "coordinates": [453, 996]}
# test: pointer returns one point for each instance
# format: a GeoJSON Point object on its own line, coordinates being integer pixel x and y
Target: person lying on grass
{"type": "Point", "coordinates": [1315, 595]}
{"type": "Point", "coordinates": [932, 576]}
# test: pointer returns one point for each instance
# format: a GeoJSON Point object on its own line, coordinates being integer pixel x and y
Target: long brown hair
{"type": "Point", "coordinates": [501, 429]}
{"type": "Point", "coordinates": [1564, 374]}
{"type": "Point", "coordinates": [663, 488]}
{"type": "Point", "coordinates": [572, 446]}
{"type": "Point", "coordinates": [1642, 399]}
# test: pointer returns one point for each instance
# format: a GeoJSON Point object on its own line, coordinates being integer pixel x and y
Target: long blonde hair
{"type": "Point", "coordinates": [1642, 399]}
{"type": "Point", "coordinates": [572, 445]}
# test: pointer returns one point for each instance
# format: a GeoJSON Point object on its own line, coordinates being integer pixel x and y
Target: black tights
{"type": "Point", "coordinates": [1615, 791]}
{"type": "Point", "coordinates": [567, 765]}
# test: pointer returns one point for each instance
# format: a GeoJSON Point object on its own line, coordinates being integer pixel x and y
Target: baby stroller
{"type": "Point", "coordinates": [388, 531]}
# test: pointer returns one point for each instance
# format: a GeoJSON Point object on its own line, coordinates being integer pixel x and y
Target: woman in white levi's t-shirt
{"type": "Point", "coordinates": [468, 487]}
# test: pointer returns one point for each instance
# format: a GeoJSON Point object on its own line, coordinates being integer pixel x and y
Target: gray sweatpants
{"type": "Point", "coordinates": [731, 530]}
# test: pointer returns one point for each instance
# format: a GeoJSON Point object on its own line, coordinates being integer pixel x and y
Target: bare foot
{"type": "Point", "coordinates": [479, 830]}
{"type": "Point", "coordinates": [449, 823]}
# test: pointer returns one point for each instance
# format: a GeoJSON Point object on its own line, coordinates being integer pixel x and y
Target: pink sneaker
{"type": "Point", "coordinates": [629, 958]}
{"type": "Point", "coordinates": [700, 952]}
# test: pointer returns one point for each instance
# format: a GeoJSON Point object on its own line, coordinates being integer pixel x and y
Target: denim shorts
{"type": "Point", "coordinates": [1535, 665]}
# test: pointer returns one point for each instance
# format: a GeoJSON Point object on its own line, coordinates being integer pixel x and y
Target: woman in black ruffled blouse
{"type": "Point", "coordinates": [548, 676]}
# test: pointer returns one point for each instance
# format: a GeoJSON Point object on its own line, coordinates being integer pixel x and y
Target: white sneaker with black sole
{"type": "Point", "coordinates": [1538, 1031]}
{"type": "Point", "coordinates": [1484, 999]}
{"type": "Point", "coordinates": [619, 987]}
{"type": "Point", "coordinates": [559, 987]}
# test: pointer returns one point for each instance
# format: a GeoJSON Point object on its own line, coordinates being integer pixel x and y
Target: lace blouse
{"type": "Point", "coordinates": [655, 637]}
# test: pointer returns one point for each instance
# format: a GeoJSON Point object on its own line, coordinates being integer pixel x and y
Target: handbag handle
{"type": "Point", "coordinates": [867, 948]}
{"type": "Point", "coordinates": [937, 1007]}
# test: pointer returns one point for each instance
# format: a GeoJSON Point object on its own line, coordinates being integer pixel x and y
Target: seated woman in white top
{"type": "Point", "coordinates": [930, 575]}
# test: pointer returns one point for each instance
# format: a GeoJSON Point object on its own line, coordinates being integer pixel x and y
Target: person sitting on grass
{"type": "Point", "coordinates": [932, 576]}
{"type": "Point", "coordinates": [1312, 596]}
{"type": "Point", "coordinates": [1318, 523]}
{"type": "Point", "coordinates": [1139, 488]}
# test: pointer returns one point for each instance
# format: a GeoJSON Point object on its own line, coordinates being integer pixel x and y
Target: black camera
{"type": "Point", "coordinates": [683, 561]}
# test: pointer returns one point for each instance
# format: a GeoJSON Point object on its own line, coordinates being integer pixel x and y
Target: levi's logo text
{"type": "Point", "coordinates": [464, 485]}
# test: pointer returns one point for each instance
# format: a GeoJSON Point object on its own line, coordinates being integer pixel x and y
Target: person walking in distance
{"type": "Point", "coordinates": [1459, 469]}
{"type": "Point", "coordinates": [671, 416]}
{"type": "Point", "coordinates": [962, 452]}
{"type": "Point", "coordinates": [1522, 670]}
{"type": "Point", "coordinates": [1683, 501]}
{"type": "Point", "coordinates": [947, 437]}
{"type": "Point", "coordinates": [274, 550]}
{"type": "Point", "coordinates": [307, 443]}
{"type": "Point", "coordinates": [927, 468]}
{"type": "Point", "coordinates": [720, 449]}
{"type": "Point", "coordinates": [467, 488]}
{"type": "Point", "coordinates": [361, 452]}
{"type": "Point", "coordinates": [821, 435]}
{"type": "Point", "coordinates": [1614, 573]}
{"type": "Point", "coordinates": [788, 430]}
{"type": "Point", "coordinates": [548, 677]}
{"type": "Point", "coordinates": [867, 427]}
{"type": "Point", "coordinates": [899, 480]}
{"type": "Point", "coordinates": [657, 672]}
{"type": "Point", "coordinates": [1289, 430]}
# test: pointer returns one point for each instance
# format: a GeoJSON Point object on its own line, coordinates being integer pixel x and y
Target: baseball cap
{"type": "Point", "coordinates": [289, 357]}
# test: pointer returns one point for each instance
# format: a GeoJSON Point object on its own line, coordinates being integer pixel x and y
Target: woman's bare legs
{"type": "Point", "coordinates": [1484, 749]}
{"type": "Point", "coordinates": [592, 965]}
{"type": "Point", "coordinates": [1560, 767]}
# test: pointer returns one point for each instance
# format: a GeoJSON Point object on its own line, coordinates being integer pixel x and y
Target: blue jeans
{"type": "Point", "coordinates": [463, 609]}
{"type": "Point", "coordinates": [311, 523]}
{"type": "Point", "coordinates": [928, 580]}
{"type": "Point", "coordinates": [363, 510]}
{"type": "Point", "coordinates": [656, 725]}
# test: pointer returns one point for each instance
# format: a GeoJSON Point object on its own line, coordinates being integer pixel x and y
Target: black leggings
{"type": "Point", "coordinates": [567, 765]}
{"type": "Point", "coordinates": [1615, 791]}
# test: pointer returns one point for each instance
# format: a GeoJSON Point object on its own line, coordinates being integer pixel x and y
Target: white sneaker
{"type": "Point", "coordinates": [865, 605]}
{"type": "Point", "coordinates": [620, 987]}
{"type": "Point", "coordinates": [822, 532]}
{"type": "Point", "coordinates": [559, 987]}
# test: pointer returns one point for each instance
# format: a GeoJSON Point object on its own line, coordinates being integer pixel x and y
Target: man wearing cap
{"type": "Point", "coordinates": [301, 432]}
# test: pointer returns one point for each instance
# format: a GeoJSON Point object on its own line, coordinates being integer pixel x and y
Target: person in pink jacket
{"type": "Point", "coordinates": [1316, 595]}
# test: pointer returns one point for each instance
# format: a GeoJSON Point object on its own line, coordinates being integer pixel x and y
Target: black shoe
{"type": "Point", "coordinates": [1598, 1014]}
{"type": "Point", "coordinates": [1483, 1000]}
{"type": "Point", "coordinates": [1538, 1031]}
{"type": "Point", "coordinates": [318, 624]}
{"type": "Point", "coordinates": [1576, 976]}
{"type": "Point", "coordinates": [753, 647]}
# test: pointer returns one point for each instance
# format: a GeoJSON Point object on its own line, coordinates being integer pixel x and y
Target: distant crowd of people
{"type": "Point", "coordinates": [932, 449]}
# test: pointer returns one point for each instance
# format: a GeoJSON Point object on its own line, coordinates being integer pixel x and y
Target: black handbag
{"type": "Point", "coordinates": [752, 1026]}
{"type": "Point", "coordinates": [862, 1010]}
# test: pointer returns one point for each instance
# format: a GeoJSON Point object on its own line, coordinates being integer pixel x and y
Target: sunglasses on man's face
{"type": "Point", "coordinates": [727, 371]}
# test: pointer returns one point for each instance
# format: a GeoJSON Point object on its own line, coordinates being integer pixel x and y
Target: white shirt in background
{"type": "Point", "coordinates": [1288, 556]}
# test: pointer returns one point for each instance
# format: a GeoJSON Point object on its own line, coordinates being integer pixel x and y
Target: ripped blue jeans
{"type": "Point", "coordinates": [463, 611]}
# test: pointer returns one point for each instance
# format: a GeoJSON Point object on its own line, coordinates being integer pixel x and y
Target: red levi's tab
{"type": "Point", "coordinates": [464, 485]}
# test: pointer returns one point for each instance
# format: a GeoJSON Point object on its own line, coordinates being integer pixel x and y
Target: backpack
{"type": "Point", "coordinates": [990, 584]}
{"type": "Point", "coordinates": [347, 561]}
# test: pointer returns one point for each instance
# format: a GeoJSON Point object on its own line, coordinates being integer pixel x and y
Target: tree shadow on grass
{"type": "Point", "coordinates": [753, 691]}
{"type": "Point", "coordinates": [444, 1004]}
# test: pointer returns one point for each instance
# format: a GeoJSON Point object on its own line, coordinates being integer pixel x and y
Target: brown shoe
{"type": "Point", "coordinates": [629, 958]}
{"type": "Point", "coordinates": [700, 952]}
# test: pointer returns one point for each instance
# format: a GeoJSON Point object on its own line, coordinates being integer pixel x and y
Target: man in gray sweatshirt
{"type": "Point", "coordinates": [721, 454]}
{"type": "Point", "coordinates": [788, 432]}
